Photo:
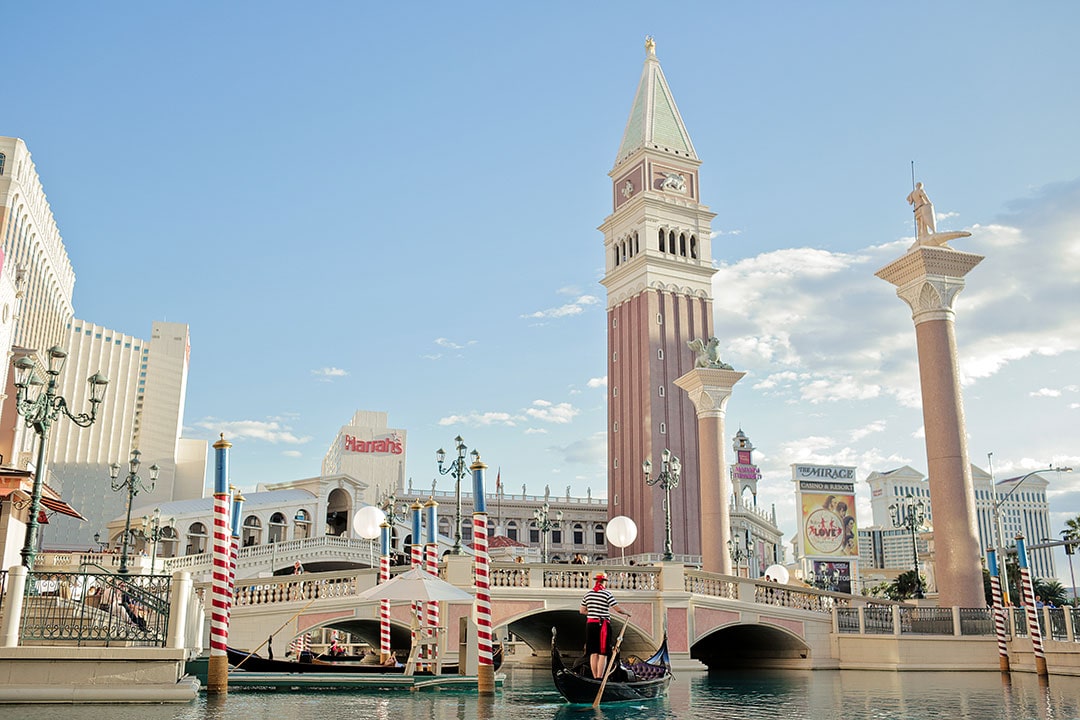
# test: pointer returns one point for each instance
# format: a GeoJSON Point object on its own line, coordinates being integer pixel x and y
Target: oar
{"type": "Point", "coordinates": [611, 663]}
{"type": "Point", "coordinates": [275, 632]}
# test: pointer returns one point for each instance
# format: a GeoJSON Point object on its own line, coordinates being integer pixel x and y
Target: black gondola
{"type": "Point", "coordinates": [631, 679]}
{"type": "Point", "coordinates": [243, 660]}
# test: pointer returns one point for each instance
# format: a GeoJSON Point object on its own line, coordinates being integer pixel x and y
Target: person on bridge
{"type": "Point", "coordinates": [597, 606]}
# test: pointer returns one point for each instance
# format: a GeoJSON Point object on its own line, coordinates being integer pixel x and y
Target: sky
{"type": "Point", "coordinates": [393, 206]}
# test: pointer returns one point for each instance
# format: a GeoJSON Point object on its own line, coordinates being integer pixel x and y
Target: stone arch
{"type": "Point", "coordinates": [743, 645]}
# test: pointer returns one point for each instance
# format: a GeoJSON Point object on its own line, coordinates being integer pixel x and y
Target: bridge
{"type": "Point", "coordinates": [705, 616]}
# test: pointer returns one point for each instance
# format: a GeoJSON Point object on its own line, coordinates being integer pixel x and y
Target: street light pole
{"type": "Point", "coordinates": [457, 470]}
{"type": "Point", "coordinates": [670, 471]}
{"type": "Point", "coordinates": [910, 513]}
{"type": "Point", "coordinates": [40, 410]}
{"type": "Point", "coordinates": [737, 555]}
{"type": "Point", "coordinates": [134, 485]}
{"type": "Point", "coordinates": [545, 523]}
{"type": "Point", "coordinates": [998, 526]}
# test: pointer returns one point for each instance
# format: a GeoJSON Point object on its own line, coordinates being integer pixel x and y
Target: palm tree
{"type": "Point", "coordinates": [1071, 533]}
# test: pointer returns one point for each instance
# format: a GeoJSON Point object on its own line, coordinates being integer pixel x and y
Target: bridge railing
{"type": "Point", "coordinates": [900, 619]}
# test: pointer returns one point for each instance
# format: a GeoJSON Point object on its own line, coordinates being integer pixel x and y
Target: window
{"type": "Point", "coordinates": [660, 391]}
{"type": "Point", "coordinates": [512, 530]}
{"type": "Point", "coordinates": [534, 533]}
{"type": "Point", "coordinates": [615, 427]}
{"type": "Point", "coordinates": [579, 534]}
{"type": "Point", "coordinates": [615, 356]}
{"type": "Point", "coordinates": [616, 464]}
{"type": "Point", "coordinates": [660, 354]}
{"type": "Point", "coordinates": [663, 428]}
{"type": "Point", "coordinates": [614, 322]}
{"type": "Point", "coordinates": [615, 392]}
{"type": "Point", "coordinates": [659, 318]}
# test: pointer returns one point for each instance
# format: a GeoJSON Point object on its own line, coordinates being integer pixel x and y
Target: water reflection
{"type": "Point", "coordinates": [526, 695]}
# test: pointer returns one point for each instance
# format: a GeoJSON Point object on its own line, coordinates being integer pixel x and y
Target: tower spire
{"type": "Point", "coordinates": [654, 121]}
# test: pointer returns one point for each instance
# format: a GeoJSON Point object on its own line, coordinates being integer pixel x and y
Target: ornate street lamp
{"type": "Point", "coordinates": [134, 485]}
{"type": "Point", "coordinates": [546, 524]}
{"type": "Point", "coordinates": [152, 531]}
{"type": "Point", "coordinates": [910, 514]}
{"type": "Point", "coordinates": [41, 410]}
{"type": "Point", "coordinates": [457, 469]}
{"type": "Point", "coordinates": [97, 541]}
{"type": "Point", "coordinates": [737, 553]}
{"type": "Point", "coordinates": [670, 471]}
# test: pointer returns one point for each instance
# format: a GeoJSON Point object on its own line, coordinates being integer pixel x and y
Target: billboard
{"type": "Point", "coordinates": [827, 511]}
{"type": "Point", "coordinates": [832, 576]}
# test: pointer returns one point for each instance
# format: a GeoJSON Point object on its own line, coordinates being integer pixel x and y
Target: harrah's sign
{"type": "Point", "coordinates": [382, 446]}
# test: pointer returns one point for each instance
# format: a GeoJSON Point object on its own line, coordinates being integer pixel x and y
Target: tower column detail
{"type": "Point", "coordinates": [928, 279]}
{"type": "Point", "coordinates": [709, 390]}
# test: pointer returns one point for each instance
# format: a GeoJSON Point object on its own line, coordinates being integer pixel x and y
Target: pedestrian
{"type": "Point", "coordinates": [597, 606]}
{"type": "Point", "coordinates": [297, 568]}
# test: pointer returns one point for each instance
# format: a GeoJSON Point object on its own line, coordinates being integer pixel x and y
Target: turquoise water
{"type": "Point", "coordinates": [529, 695]}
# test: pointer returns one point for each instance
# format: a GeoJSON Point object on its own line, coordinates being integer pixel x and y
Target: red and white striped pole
{"type": "Point", "coordinates": [416, 552]}
{"type": "Point", "coordinates": [384, 605]}
{"type": "Point", "coordinates": [431, 520]}
{"type": "Point", "coordinates": [234, 546]}
{"type": "Point", "coordinates": [485, 673]}
{"type": "Point", "coordinates": [1030, 611]}
{"type": "Point", "coordinates": [999, 610]}
{"type": "Point", "coordinates": [217, 680]}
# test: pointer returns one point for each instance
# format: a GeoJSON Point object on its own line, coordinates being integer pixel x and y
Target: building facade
{"type": "Point", "coordinates": [1024, 510]}
{"type": "Point", "coordinates": [658, 276]}
{"type": "Point", "coordinates": [370, 451]}
{"type": "Point", "coordinates": [756, 541]}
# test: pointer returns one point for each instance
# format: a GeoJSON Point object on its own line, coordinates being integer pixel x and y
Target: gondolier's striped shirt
{"type": "Point", "coordinates": [598, 603]}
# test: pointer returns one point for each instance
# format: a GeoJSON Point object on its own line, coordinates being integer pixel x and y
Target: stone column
{"type": "Point", "coordinates": [709, 390]}
{"type": "Point", "coordinates": [928, 278]}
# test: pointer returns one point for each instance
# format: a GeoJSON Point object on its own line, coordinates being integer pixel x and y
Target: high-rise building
{"type": "Point", "coordinates": [143, 409]}
{"type": "Point", "coordinates": [757, 542]}
{"type": "Point", "coordinates": [1025, 511]}
{"type": "Point", "coordinates": [144, 402]}
{"type": "Point", "coordinates": [658, 275]}
{"type": "Point", "coordinates": [371, 452]}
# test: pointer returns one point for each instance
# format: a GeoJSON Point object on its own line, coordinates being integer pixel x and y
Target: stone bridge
{"type": "Point", "coordinates": [715, 619]}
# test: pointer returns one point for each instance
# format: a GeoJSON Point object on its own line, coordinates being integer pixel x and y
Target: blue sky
{"type": "Point", "coordinates": [366, 206]}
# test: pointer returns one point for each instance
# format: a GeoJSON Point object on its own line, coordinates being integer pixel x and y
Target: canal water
{"type": "Point", "coordinates": [529, 695]}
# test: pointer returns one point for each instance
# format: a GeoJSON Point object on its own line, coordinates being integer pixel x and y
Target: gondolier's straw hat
{"type": "Point", "coordinates": [601, 576]}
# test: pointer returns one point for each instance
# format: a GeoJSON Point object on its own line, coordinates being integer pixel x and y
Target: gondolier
{"type": "Point", "coordinates": [597, 605]}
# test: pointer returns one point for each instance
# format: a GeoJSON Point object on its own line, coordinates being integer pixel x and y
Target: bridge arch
{"type": "Point", "coordinates": [742, 645]}
{"type": "Point", "coordinates": [535, 627]}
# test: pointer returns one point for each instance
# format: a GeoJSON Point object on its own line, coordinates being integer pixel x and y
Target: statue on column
{"type": "Point", "coordinates": [707, 354]}
{"type": "Point", "coordinates": [924, 212]}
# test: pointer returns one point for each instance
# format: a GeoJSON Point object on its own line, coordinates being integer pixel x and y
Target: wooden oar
{"type": "Point", "coordinates": [276, 632]}
{"type": "Point", "coordinates": [611, 663]}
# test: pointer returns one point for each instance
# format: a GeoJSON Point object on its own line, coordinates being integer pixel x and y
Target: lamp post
{"type": "Point", "coordinates": [998, 526]}
{"type": "Point", "coordinates": [910, 514]}
{"type": "Point", "coordinates": [134, 485]}
{"type": "Point", "coordinates": [545, 524]}
{"type": "Point", "coordinates": [40, 410]}
{"type": "Point", "coordinates": [152, 531]}
{"type": "Point", "coordinates": [670, 471]}
{"type": "Point", "coordinates": [737, 556]}
{"type": "Point", "coordinates": [457, 469]}
{"type": "Point", "coordinates": [97, 541]}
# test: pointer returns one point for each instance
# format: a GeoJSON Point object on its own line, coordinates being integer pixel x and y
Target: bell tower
{"type": "Point", "coordinates": [658, 276]}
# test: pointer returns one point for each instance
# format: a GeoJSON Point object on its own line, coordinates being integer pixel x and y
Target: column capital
{"type": "Point", "coordinates": [709, 389]}
{"type": "Point", "coordinates": [928, 279]}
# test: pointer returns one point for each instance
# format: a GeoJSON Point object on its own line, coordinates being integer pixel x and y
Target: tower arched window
{"type": "Point", "coordinates": [671, 242]}
{"type": "Point", "coordinates": [637, 248]}
{"type": "Point", "coordinates": [682, 244]}
{"type": "Point", "coordinates": [693, 247]}
{"type": "Point", "coordinates": [579, 534]}
{"type": "Point", "coordinates": [660, 240]}
{"type": "Point", "coordinates": [663, 428]}
{"type": "Point", "coordinates": [616, 251]}
{"type": "Point", "coordinates": [2, 159]}
{"type": "Point", "coordinates": [512, 530]}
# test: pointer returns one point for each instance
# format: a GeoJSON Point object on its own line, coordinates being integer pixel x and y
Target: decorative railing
{"type": "Point", "coordinates": [976, 621]}
{"type": "Point", "coordinates": [973, 622]}
{"type": "Point", "coordinates": [96, 608]}
{"type": "Point", "coordinates": [926, 621]}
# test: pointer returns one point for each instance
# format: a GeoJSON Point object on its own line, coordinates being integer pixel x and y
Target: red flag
{"type": "Point", "coordinates": [498, 480]}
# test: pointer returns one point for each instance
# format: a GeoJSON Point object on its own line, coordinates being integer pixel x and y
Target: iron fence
{"type": "Point", "coordinates": [1019, 617]}
{"type": "Point", "coordinates": [847, 620]}
{"type": "Point", "coordinates": [976, 621]}
{"type": "Point", "coordinates": [878, 620]}
{"type": "Point", "coordinates": [1058, 631]}
{"type": "Point", "coordinates": [96, 608]}
{"type": "Point", "coordinates": [926, 621]}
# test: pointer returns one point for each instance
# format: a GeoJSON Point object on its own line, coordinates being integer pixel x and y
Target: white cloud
{"type": "Point", "coordinates": [327, 374]}
{"type": "Point", "coordinates": [450, 345]}
{"type": "Point", "coordinates": [574, 308]}
{"type": "Point", "coordinates": [597, 382]}
{"type": "Point", "coordinates": [546, 411]}
{"type": "Point", "coordinates": [1045, 392]}
{"type": "Point", "coordinates": [483, 419]}
{"type": "Point", "coordinates": [293, 453]}
{"type": "Point", "coordinates": [588, 451]}
{"type": "Point", "coordinates": [536, 431]}
{"type": "Point", "coordinates": [270, 431]}
{"type": "Point", "coordinates": [861, 432]}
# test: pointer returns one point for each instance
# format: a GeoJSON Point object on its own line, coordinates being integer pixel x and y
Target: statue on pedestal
{"type": "Point", "coordinates": [925, 225]}
{"type": "Point", "coordinates": [708, 354]}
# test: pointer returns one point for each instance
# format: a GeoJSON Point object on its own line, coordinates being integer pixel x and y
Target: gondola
{"type": "Point", "coordinates": [243, 660]}
{"type": "Point", "coordinates": [631, 679]}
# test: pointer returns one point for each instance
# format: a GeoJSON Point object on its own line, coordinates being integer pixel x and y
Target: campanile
{"type": "Point", "coordinates": [658, 275]}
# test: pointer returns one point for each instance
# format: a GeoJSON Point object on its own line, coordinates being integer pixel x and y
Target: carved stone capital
{"type": "Point", "coordinates": [928, 279]}
{"type": "Point", "coordinates": [709, 389]}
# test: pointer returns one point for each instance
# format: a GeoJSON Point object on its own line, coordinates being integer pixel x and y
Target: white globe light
{"type": "Point", "coordinates": [778, 573]}
{"type": "Point", "coordinates": [367, 522]}
{"type": "Point", "coordinates": [621, 531]}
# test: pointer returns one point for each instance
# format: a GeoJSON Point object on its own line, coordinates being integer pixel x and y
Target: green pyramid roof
{"type": "Point", "coordinates": [654, 120]}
